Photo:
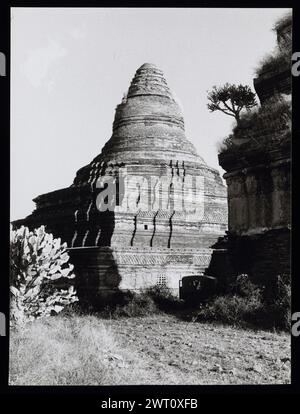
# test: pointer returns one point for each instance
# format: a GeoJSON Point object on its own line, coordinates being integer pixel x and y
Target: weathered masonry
{"type": "Point", "coordinates": [258, 177]}
{"type": "Point", "coordinates": [149, 239]}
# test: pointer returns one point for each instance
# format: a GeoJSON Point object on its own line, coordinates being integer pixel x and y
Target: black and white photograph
{"type": "Point", "coordinates": [150, 200]}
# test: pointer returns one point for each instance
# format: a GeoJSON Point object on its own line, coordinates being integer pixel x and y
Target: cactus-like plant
{"type": "Point", "coordinates": [38, 266]}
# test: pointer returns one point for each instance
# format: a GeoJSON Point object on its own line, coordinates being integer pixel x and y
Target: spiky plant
{"type": "Point", "coordinates": [39, 273]}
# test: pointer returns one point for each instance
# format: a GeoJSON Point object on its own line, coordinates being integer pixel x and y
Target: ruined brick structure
{"type": "Point", "coordinates": [143, 241]}
{"type": "Point", "coordinates": [258, 180]}
{"type": "Point", "coordinates": [259, 212]}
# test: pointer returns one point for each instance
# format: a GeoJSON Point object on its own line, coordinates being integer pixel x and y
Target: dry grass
{"type": "Point", "coordinates": [77, 350]}
{"type": "Point", "coordinates": [158, 349]}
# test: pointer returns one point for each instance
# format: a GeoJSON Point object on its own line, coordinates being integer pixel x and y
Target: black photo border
{"type": "Point", "coordinates": [92, 395]}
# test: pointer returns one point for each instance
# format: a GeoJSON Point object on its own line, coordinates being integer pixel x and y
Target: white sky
{"type": "Point", "coordinates": [70, 67]}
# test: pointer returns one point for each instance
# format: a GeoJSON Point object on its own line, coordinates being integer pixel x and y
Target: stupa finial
{"type": "Point", "coordinates": [149, 80]}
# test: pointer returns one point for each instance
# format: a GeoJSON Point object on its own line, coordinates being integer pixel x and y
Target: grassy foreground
{"type": "Point", "coordinates": [158, 349]}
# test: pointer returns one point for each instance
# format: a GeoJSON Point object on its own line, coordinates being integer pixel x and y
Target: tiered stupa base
{"type": "Point", "coordinates": [104, 273]}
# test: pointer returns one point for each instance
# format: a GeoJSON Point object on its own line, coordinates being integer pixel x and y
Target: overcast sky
{"type": "Point", "coordinates": [70, 68]}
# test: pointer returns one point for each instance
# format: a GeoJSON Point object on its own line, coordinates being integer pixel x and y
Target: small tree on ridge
{"type": "Point", "coordinates": [231, 99]}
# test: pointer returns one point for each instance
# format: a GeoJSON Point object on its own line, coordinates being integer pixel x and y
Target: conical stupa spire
{"type": "Point", "coordinates": [149, 80]}
{"type": "Point", "coordinates": [149, 123]}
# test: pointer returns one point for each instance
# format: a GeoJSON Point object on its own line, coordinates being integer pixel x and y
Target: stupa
{"type": "Point", "coordinates": [148, 209]}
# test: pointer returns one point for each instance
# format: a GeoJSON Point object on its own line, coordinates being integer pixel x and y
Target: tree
{"type": "Point", "coordinates": [231, 99]}
{"type": "Point", "coordinates": [39, 270]}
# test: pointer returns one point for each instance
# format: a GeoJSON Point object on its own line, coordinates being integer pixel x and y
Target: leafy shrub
{"type": "Point", "coordinates": [249, 304]}
{"type": "Point", "coordinates": [38, 266]}
{"type": "Point", "coordinates": [283, 21]}
{"type": "Point", "coordinates": [149, 301]}
{"type": "Point", "coordinates": [243, 299]}
{"type": "Point", "coordinates": [164, 298]}
{"type": "Point", "coordinates": [268, 126]}
{"type": "Point", "coordinates": [274, 63]}
{"type": "Point", "coordinates": [244, 287]}
{"type": "Point", "coordinates": [277, 297]}
{"type": "Point", "coordinates": [226, 144]}
{"type": "Point", "coordinates": [232, 309]}
{"type": "Point", "coordinates": [283, 29]}
{"type": "Point", "coordinates": [135, 304]}
{"type": "Point", "coordinates": [280, 59]}
{"type": "Point", "coordinates": [270, 118]}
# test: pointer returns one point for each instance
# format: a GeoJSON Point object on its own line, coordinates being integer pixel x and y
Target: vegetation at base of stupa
{"type": "Point", "coordinates": [246, 304]}
{"type": "Point", "coordinates": [40, 273]}
{"type": "Point", "coordinates": [242, 303]}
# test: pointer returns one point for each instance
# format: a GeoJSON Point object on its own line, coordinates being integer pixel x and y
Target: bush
{"type": "Point", "coordinates": [264, 128]}
{"type": "Point", "coordinates": [244, 287]}
{"type": "Point", "coordinates": [139, 305]}
{"type": "Point", "coordinates": [274, 63]}
{"type": "Point", "coordinates": [248, 304]}
{"type": "Point", "coordinates": [38, 265]}
{"type": "Point", "coordinates": [235, 310]}
{"type": "Point", "coordinates": [242, 300]}
{"type": "Point", "coordinates": [226, 144]}
{"type": "Point", "coordinates": [164, 298]}
{"type": "Point", "coordinates": [281, 57]}
{"type": "Point", "coordinates": [277, 297]}
{"type": "Point", "coordinates": [285, 20]}
{"type": "Point", "coordinates": [270, 118]}
{"type": "Point", "coordinates": [134, 305]}
{"type": "Point", "coordinates": [149, 301]}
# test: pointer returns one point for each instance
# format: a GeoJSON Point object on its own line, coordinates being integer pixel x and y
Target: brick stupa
{"type": "Point", "coordinates": [156, 242]}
